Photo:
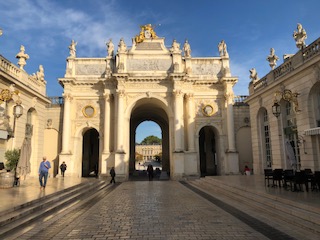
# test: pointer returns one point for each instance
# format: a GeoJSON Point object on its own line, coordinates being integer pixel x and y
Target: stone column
{"type": "Point", "coordinates": [105, 156]}
{"type": "Point", "coordinates": [178, 123]}
{"type": "Point", "coordinates": [190, 121]}
{"type": "Point", "coordinates": [120, 110]}
{"type": "Point", "coordinates": [66, 124]}
{"type": "Point", "coordinates": [106, 132]}
{"type": "Point", "coordinates": [230, 123]}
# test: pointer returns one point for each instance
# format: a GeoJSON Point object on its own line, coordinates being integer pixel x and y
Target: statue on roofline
{"type": "Point", "coordinates": [72, 48]}
{"type": "Point", "coordinates": [187, 49]}
{"type": "Point", "coordinates": [253, 75]}
{"type": "Point", "coordinates": [300, 36]}
{"type": "Point", "coordinates": [222, 47]}
{"type": "Point", "coordinates": [122, 47]}
{"type": "Point", "coordinates": [272, 59]}
{"type": "Point", "coordinates": [175, 48]}
{"type": "Point", "coordinates": [22, 56]}
{"type": "Point", "coordinates": [110, 48]}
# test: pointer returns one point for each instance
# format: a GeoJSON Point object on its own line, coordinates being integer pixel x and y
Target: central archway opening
{"type": "Point", "coordinates": [148, 150]}
{"type": "Point", "coordinates": [148, 113]}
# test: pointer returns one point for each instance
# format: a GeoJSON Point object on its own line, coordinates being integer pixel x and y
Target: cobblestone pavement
{"type": "Point", "coordinates": [155, 210]}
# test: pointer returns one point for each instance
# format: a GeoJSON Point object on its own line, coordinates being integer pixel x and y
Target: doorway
{"type": "Point", "coordinates": [90, 153]}
{"type": "Point", "coordinates": [208, 153]}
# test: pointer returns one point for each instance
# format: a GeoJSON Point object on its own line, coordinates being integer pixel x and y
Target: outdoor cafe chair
{"type": "Point", "coordinates": [316, 181]}
{"type": "Point", "coordinates": [288, 177]}
{"type": "Point", "coordinates": [268, 175]}
{"type": "Point", "coordinates": [277, 177]}
{"type": "Point", "coordinates": [300, 179]}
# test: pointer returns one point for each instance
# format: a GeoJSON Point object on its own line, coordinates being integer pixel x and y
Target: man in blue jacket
{"type": "Point", "coordinates": [43, 172]}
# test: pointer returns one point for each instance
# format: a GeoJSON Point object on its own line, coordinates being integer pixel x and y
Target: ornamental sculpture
{"type": "Point", "coordinates": [272, 59]}
{"type": "Point", "coordinates": [146, 32]}
{"type": "Point", "coordinates": [187, 49]}
{"type": "Point", "coordinates": [40, 74]}
{"type": "Point", "coordinates": [253, 75]}
{"type": "Point", "coordinates": [175, 47]}
{"type": "Point", "coordinates": [110, 48]}
{"type": "Point", "coordinates": [222, 47]}
{"type": "Point", "coordinates": [22, 56]}
{"type": "Point", "coordinates": [300, 36]}
{"type": "Point", "coordinates": [72, 48]}
{"type": "Point", "coordinates": [122, 47]}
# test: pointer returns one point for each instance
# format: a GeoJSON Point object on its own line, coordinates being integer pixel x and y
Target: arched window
{"type": "Point", "coordinates": [291, 134]}
{"type": "Point", "coordinates": [267, 141]}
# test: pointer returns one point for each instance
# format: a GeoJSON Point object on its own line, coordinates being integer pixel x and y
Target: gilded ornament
{"type": "Point", "coordinates": [146, 32]}
{"type": "Point", "coordinates": [89, 111]}
{"type": "Point", "coordinates": [208, 110]}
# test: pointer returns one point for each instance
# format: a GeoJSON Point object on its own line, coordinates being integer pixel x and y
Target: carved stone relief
{"type": "Point", "coordinates": [149, 64]}
{"type": "Point", "coordinates": [90, 69]}
{"type": "Point", "coordinates": [206, 69]}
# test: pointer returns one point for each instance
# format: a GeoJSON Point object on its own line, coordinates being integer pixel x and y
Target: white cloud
{"type": "Point", "coordinates": [53, 20]}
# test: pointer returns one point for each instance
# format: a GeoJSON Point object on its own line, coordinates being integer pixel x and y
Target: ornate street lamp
{"type": "Point", "coordinates": [5, 96]}
{"type": "Point", "coordinates": [17, 112]}
{"type": "Point", "coordinates": [276, 110]}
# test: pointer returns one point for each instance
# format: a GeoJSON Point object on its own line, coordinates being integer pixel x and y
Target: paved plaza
{"type": "Point", "coordinates": [143, 210]}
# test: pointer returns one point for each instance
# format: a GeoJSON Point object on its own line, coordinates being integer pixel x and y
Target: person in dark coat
{"type": "Point", "coordinates": [63, 168]}
{"type": "Point", "coordinates": [112, 174]}
{"type": "Point", "coordinates": [150, 172]}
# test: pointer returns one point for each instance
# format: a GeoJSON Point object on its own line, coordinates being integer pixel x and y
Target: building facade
{"type": "Point", "coordinates": [191, 99]}
{"type": "Point", "coordinates": [285, 111]}
{"type": "Point", "coordinates": [26, 126]}
{"type": "Point", "coordinates": [148, 152]}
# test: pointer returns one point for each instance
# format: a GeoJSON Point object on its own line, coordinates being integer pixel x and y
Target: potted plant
{"type": "Point", "coordinates": [12, 157]}
{"type": "Point", "coordinates": [7, 178]}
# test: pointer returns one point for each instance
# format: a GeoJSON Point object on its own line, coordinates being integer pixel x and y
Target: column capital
{"type": "Point", "coordinates": [189, 96]}
{"type": "Point", "coordinates": [121, 93]}
{"type": "Point", "coordinates": [229, 96]}
{"type": "Point", "coordinates": [67, 96]}
{"type": "Point", "coordinates": [107, 96]}
{"type": "Point", "coordinates": [177, 93]}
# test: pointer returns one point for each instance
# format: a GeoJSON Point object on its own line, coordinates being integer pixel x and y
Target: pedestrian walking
{"type": "Point", "coordinates": [150, 172]}
{"type": "Point", "coordinates": [43, 172]}
{"type": "Point", "coordinates": [112, 174]}
{"type": "Point", "coordinates": [63, 168]}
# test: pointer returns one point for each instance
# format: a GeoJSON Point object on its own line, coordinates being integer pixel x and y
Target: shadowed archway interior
{"type": "Point", "coordinates": [90, 153]}
{"type": "Point", "coordinates": [149, 110]}
{"type": "Point", "coordinates": [207, 147]}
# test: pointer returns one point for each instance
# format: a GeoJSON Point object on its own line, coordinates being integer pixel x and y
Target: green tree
{"type": "Point", "coordinates": [151, 140]}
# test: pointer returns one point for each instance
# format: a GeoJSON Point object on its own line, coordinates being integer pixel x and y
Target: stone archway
{"type": "Point", "coordinates": [208, 151]}
{"type": "Point", "coordinates": [90, 153]}
{"type": "Point", "coordinates": [150, 110]}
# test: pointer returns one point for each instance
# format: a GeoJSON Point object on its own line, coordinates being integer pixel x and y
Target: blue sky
{"type": "Point", "coordinates": [249, 27]}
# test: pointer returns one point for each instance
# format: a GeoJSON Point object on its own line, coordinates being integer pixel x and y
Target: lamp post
{"type": "Point", "coordinates": [17, 112]}
{"type": "Point", "coordinates": [276, 109]}
{"type": "Point", "coordinates": [5, 96]}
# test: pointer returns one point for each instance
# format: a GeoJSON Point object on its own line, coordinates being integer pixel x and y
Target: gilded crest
{"type": "Point", "coordinates": [146, 32]}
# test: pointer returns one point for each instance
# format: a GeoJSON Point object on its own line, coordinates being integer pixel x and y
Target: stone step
{"type": "Point", "coordinates": [13, 219]}
{"type": "Point", "coordinates": [306, 217]}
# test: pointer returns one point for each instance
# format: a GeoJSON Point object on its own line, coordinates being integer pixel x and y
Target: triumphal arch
{"type": "Point", "coordinates": [190, 98]}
